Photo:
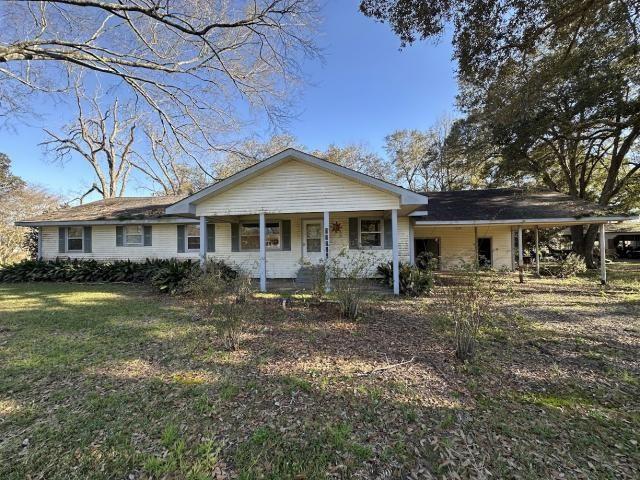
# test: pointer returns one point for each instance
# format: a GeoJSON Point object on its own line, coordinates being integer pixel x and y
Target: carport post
{"type": "Point", "coordinates": [263, 255]}
{"type": "Point", "coordinates": [520, 255]}
{"type": "Point", "coordinates": [537, 253]}
{"type": "Point", "coordinates": [603, 255]}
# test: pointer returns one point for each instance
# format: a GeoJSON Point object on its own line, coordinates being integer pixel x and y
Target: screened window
{"type": "Point", "coordinates": [250, 236]}
{"type": "Point", "coordinates": [193, 237]}
{"type": "Point", "coordinates": [133, 235]}
{"type": "Point", "coordinates": [74, 239]}
{"type": "Point", "coordinates": [371, 232]}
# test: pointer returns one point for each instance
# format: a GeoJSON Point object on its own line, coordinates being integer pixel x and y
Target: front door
{"type": "Point", "coordinates": [312, 241]}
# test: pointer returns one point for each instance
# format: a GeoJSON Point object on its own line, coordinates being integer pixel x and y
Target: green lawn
{"type": "Point", "coordinates": [112, 381]}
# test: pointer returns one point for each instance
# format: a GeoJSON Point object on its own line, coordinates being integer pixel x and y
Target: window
{"type": "Point", "coordinates": [370, 232]}
{"type": "Point", "coordinates": [75, 239]}
{"type": "Point", "coordinates": [250, 236]}
{"type": "Point", "coordinates": [133, 235]}
{"type": "Point", "coordinates": [193, 237]}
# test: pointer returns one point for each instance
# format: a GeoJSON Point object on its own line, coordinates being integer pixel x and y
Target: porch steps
{"type": "Point", "coordinates": [305, 277]}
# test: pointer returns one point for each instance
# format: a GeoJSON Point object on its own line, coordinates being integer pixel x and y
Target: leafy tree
{"type": "Point", "coordinates": [357, 157]}
{"type": "Point", "coordinates": [550, 89]}
{"type": "Point", "coordinates": [18, 200]}
{"type": "Point", "coordinates": [431, 160]}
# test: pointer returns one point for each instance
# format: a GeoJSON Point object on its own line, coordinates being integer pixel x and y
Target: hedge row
{"type": "Point", "coordinates": [165, 275]}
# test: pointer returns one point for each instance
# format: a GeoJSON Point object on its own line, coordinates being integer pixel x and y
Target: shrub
{"type": "Point", "coordinates": [172, 277]}
{"type": "Point", "coordinates": [467, 302]}
{"type": "Point", "coordinates": [223, 301]}
{"type": "Point", "coordinates": [349, 274]}
{"type": "Point", "coordinates": [167, 275]}
{"type": "Point", "coordinates": [566, 267]}
{"type": "Point", "coordinates": [414, 281]}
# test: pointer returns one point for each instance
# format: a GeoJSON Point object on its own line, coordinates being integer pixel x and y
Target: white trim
{"type": "Point", "coordinates": [522, 221]}
{"type": "Point", "coordinates": [419, 213]}
{"type": "Point", "coordinates": [187, 205]}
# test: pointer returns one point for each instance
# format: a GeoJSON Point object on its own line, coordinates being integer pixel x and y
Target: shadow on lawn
{"type": "Point", "coordinates": [130, 384]}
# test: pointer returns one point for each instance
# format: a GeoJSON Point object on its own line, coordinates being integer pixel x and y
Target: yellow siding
{"type": "Point", "coordinates": [280, 264]}
{"type": "Point", "coordinates": [457, 244]}
{"type": "Point", "coordinates": [296, 187]}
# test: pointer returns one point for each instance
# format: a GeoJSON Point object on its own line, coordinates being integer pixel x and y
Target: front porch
{"type": "Point", "coordinates": [276, 246]}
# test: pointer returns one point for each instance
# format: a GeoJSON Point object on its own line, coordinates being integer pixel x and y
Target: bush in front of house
{"type": "Point", "coordinates": [466, 304]}
{"type": "Point", "coordinates": [566, 267]}
{"type": "Point", "coordinates": [166, 275]}
{"type": "Point", "coordinates": [223, 300]}
{"type": "Point", "coordinates": [414, 281]}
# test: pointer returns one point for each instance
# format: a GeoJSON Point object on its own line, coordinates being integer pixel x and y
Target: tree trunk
{"type": "Point", "coordinates": [583, 242]}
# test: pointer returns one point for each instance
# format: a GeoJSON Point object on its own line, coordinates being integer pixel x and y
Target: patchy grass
{"type": "Point", "coordinates": [111, 381]}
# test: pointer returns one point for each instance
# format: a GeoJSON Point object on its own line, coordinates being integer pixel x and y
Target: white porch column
{"type": "Point", "coordinates": [40, 239]}
{"type": "Point", "coordinates": [263, 255]}
{"type": "Point", "coordinates": [325, 250]}
{"type": "Point", "coordinates": [520, 256]}
{"type": "Point", "coordinates": [537, 253]}
{"type": "Point", "coordinates": [603, 255]}
{"type": "Point", "coordinates": [394, 243]}
{"type": "Point", "coordinates": [412, 252]}
{"type": "Point", "coordinates": [203, 243]}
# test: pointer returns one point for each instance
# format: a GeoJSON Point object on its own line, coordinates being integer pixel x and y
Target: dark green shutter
{"type": "Point", "coordinates": [388, 238]}
{"type": "Point", "coordinates": [62, 239]}
{"type": "Point", "coordinates": [286, 235]}
{"type": "Point", "coordinates": [86, 244]}
{"type": "Point", "coordinates": [235, 237]}
{"type": "Point", "coordinates": [119, 236]}
{"type": "Point", "coordinates": [211, 237]}
{"type": "Point", "coordinates": [180, 238]}
{"type": "Point", "coordinates": [148, 236]}
{"type": "Point", "coordinates": [354, 228]}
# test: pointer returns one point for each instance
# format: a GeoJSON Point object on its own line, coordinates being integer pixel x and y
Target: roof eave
{"type": "Point", "coordinates": [129, 221]}
{"type": "Point", "coordinates": [527, 221]}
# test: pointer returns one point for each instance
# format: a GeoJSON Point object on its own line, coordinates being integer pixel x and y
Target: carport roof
{"type": "Point", "coordinates": [511, 205]}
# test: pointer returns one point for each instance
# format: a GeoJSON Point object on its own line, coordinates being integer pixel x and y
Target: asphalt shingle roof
{"type": "Point", "coordinates": [506, 204]}
{"type": "Point", "coordinates": [122, 208]}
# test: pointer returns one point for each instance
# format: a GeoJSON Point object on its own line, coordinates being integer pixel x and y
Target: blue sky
{"type": "Point", "coordinates": [365, 88]}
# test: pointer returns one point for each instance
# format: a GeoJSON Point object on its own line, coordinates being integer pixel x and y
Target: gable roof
{"type": "Point", "coordinates": [510, 205]}
{"type": "Point", "coordinates": [120, 209]}
{"type": "Point", "coordinates": [187, 205]}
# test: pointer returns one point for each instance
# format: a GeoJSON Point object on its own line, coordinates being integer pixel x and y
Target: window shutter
{"type": "Point", "coordinates": [86, 244]}
{"type": "Point", "coordinates": [388, 239]}
{"type": "Point", "coordinates": [354, 227]}
{"type": "Point", "coordinates": [211, 237]}
{"type": "Point", "coordinates": [119, 236]}
{"type": "Point", "coordinates": [180, 238]}
{"type": "Point", "coordinates": [235, 237]}
{"type": "Point", "coordinates": [286, 235]}
{"type": "Point", "coordinates": [62, 239]}
{"type": "Point", "coordinates": [147, 236]}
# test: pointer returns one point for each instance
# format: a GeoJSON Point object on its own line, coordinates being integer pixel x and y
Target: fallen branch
{"type": "Point", "coordinates": [386, 367]}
